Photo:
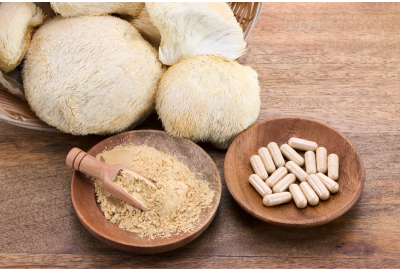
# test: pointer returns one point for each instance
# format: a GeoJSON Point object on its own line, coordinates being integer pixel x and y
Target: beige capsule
{"type": "Point", "coordinates": [266, 158]}
{"type": "Point", "coordinates": [258, 167]}
{"type": "Point", "coordinates": [298, 196]}
{"type": "Point", "coordinates": [303, 145]}
{"type": "Point", "coordinates": [276, 154]}
{"type": "Point", "coordinates": [291, 154]}
{"type": "Point", "coordinates": [284, 184]}
{"type": "Point", "coordinates": [309, 193]}
{"type": "Point", "coordinates": [309, 159]}
{"type": "Point", "coordinates": [322, 160]}
{"type": "Point", "coordinates": [318, 187]}
{"type": "Point", "coordinates": [277, 198]}
{"type": "Point", "coordinates": [276, 176]}
{"type": "Point", "coordinates": [331, 185]}
{"type": "Point", "coordinates": [333, 166]}
{"type": "Point", "coordinates": [259, 185]}
{"type": "Point", "coordinates": [297, 171]}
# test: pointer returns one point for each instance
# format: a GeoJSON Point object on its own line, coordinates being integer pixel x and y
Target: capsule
{"type": "Point", "coordinates": [276, 154]}
{"type": "Point", "coordinates": [277, 198]}
{"type": "Point", "coordinates": [291, 154]}
{"type": "Point", "coordinates": [331, 185]}
{"type": "Point", "coordinates": [298, 196]}
{"type": "Point", "coordinates": [259, 185]}
{"type": "Point", "coordinates": [333, 166]}
{"type": "Point", "coordinates": [297, 171]}
{"type": "Point", "coordinates": [284, 184]}
{"type": "Point", "coordinates": [276, 176]}
{"type": "Point", "coordinates": [303, 145]}
{"type": "Point", "coordinates": [318, 187]}
{"type": "Point", "coordinates": [322, 160]}
{"type": "Point", "coordinates": [266, 158]}
{"type": "Point", "coordinates": [309, 158]}
{"type": "Point", "coordinates": [258, 167]}
{"type": "Point", "coordinates": [309, 193]}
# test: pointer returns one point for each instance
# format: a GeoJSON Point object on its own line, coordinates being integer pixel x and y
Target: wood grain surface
{"type": "Point", "coordinates": [338, 63]}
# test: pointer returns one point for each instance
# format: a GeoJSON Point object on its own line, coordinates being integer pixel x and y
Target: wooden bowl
{"type": "Point", "coordinates": [237, 170]}
{"type": "Point", "coordinates": [187, 152]}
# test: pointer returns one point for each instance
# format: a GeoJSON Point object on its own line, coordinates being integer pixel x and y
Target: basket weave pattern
{"type": "Point", "coordinates": [16, 111]}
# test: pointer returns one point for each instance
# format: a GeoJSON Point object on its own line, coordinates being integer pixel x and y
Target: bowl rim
{"type": "Point", "coordinates": [297, 224]}
{"type": "Point", "coordinates": [110, 241]}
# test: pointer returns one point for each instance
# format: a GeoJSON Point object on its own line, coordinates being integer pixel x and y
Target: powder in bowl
{"type": "Point", "coordinates": [174, 205]}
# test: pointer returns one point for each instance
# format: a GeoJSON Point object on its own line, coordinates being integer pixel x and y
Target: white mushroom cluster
{"type": "Point", "coordinates": [96, 70]}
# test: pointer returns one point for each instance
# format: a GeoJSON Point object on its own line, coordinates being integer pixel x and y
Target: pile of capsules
{"type": "Point", "coordinates": [313, 186]}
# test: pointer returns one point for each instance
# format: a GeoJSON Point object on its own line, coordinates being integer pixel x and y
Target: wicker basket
{"type": "Point", "coordinates": [16, 111]}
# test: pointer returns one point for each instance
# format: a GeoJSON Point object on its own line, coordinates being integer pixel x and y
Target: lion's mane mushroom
{"type": "Point", "coordinates": [207, 99]}
{"type": "Point", "coordinates": [16, 23]}
{"type": "Point", "coordinates": [144, 25]}
{"type": "Point", "coordinates": [73, 9]}
{"type": "Point", "coordinates": [91, 75]}
{"type": "Point", "coordinates": [189, 29]}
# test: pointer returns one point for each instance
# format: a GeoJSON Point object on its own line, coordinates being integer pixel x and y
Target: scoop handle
{"type": "Point", "coordinates": [79, 160]}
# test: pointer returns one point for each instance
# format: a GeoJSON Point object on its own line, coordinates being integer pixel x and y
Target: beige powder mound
{"type": "Point", "coordinates": [174, 205]}
{"type": "Point", "coordinates": [137, 187]}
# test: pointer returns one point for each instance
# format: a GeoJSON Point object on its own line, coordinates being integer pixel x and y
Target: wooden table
{"type": "Point", "coordinates": [337, 63]}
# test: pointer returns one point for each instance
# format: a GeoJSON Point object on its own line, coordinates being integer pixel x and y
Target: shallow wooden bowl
{"type": "Point", "coordinates": [237, 170]}
{"type": "Point", "coordinates": [187, 152]}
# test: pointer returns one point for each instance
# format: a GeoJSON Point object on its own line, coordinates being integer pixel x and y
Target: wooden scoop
{"type": "Point", "coordinates": [83, 162]}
